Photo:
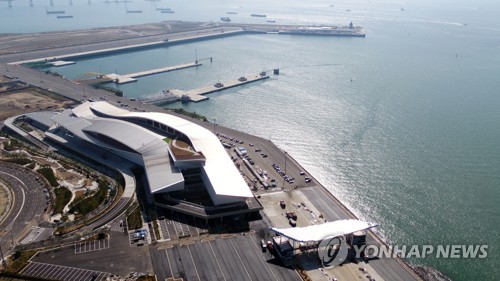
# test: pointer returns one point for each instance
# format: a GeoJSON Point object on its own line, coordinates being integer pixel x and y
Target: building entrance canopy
{"type": "Point", "coordinates": [316, 233]}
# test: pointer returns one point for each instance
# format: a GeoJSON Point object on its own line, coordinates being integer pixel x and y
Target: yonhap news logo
{"type": "Point", "coordinates": [333, 251]}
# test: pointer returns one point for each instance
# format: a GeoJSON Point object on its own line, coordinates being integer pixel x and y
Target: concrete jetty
{"type": "Point", "coordinates": [127, 78]}
{"type": "Point", "coordinates": [198, 94]}
{"type": "Point", "coordinates": [61, 63]}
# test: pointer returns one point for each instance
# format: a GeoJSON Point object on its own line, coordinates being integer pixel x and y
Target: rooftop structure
{"type": "Point", "coordinates": [318, 232]}
{"type": "Point", "coordinates": [296, 242]}
{"type": "Point", "coordinates": [181, 160]}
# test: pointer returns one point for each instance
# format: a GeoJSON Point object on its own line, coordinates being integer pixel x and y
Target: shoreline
{"type": "Point", "coordinates": [409, 267]}
{"type": "Point", "coordinates": [33, 78]}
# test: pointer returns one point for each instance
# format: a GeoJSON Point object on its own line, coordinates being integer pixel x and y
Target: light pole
{"type": "Point", "coordinates": [214, 126]}
{"type": "Point", "coordinates": [83, 87]}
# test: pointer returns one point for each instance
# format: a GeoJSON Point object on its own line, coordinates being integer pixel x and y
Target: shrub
{"type": "Point", "coordinates": [49, 175]}
{"type": "Point", "coordinates": [63, 196]}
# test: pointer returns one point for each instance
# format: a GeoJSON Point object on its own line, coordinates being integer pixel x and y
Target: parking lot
{"type": "Point", "coordinates": [175, 226]}
{"type": "Point", "coordinates": [137, 238]}
{"type": "Point", "coordinates": [90, 246]}
{"type": "Point", "coordinates": [58, 272]}
{"type": "Point", "coordinates": [265, 167]}
{"type": "Point", "coordinates": [232, 257]}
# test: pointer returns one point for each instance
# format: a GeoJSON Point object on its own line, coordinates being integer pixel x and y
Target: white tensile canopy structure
{"type": "Point", "coordinates": [316, 233]}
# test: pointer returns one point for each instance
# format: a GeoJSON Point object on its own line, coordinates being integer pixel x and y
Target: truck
{"type": "Point", "coordinates": [282, 204]}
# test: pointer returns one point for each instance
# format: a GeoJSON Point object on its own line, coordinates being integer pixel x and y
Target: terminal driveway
{"type": "Point", "coordinates": [29, 203]}
{"type": "Point", "coordinates": [232, 257]}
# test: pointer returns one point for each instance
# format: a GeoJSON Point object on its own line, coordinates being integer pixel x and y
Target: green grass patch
{"type": "Point", "coordinates": [167, 140]}
{"type": "Point", "coordinates": [92, 202]}
{"type": "Point", "coordinates": [49, 175]}
{"type": "Point", "coordinates": [156, 228]}
{"type": "Point", "coordinates": [134, 219]}
{"type": "Point", "coordinates": [63, 195]}
{"type": "Point", "coordinates": [11, 145]}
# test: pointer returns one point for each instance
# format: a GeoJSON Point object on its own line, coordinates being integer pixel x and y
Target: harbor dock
{"type": "Point", "coordinates": [61, 63]}
{"type": "Point", "coordinates": [314, 195]}
{"type": "Point", "coordinates": [127, 78]}
{"type": "Point", "coordinates": [199, 94]}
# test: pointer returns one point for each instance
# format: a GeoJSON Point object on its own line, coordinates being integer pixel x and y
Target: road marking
{"type": "Point", "coordinates": [169, 264]}
{"type": "Point", "coordinates": [24, 197]}
{"type": "Point", "coordinates": [265, 261]}
{"type": "Point", "coordinates": [66, 273]}
{"type": "Point", "coordinates": [238, 254]}
{"type": "Point", "coordinates": [42, 272]}
{"type": "Point", "coordinates": [217, 260]}
{"type": "Point", "coordinates": [194, 264]}
{"type": "Point", "coordinates": [52, 270]}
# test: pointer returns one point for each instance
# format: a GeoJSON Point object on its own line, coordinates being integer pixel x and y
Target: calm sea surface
{"type": "Point", "coordinates": [412, 142]}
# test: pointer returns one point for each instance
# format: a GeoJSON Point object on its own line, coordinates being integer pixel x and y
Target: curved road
{"type": "Point", "coordinates": [29, 203]}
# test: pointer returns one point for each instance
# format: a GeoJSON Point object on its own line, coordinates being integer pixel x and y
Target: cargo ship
{"type": "Point", "coordinates": [64, 17]}
{"type": "Point", "coordinates": [225, 19]}
{"type": "Point", "coordinates": [258, 15]}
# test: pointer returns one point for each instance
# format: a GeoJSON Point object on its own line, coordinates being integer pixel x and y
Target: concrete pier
{"type": "Point", "coordinates": [197, 95]}
{"type": "Point", "coordinates": [127, 78]}
{"type": "Point", "coordinates": [62, 63]}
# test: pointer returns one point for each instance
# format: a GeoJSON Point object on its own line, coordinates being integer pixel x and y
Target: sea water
{"type": "Point", "coordinates": [403, 125]}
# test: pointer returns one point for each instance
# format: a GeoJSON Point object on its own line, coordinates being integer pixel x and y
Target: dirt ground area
{"type": "Point", "coordinates": [29, 100]}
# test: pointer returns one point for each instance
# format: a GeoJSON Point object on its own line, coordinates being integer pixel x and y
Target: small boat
{"type": "Point", "coordinates": [225, 19]}
{"type": "Point", "coordinates": [232, 13]}
{"type": "Point", "coordinates": [258, 15]}
{"type": "Point", "coordinates": [64, 17]}
{"type": "Point", "coordinates": [271, 21]}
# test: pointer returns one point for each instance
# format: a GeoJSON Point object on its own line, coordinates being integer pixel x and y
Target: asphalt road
{"type": "Point", "coordinates": [53, 52]}
{"type": "Point", "coordinates": [388, 269]}
{"type": "Point", "coordinates": [236, 257]}
{"type": "Point", "coordinates": [29, 203]}
{"type": "Point", "coordinates": [242, 267]}
{"type": "Point", "coordinates": [116, 257]}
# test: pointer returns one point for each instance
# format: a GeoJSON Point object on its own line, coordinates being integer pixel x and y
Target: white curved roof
{"type": "Point", "coordinates": [161, 175]}
{"type": "Point", "coordinates": [221, 171]}
{"type": "Point", "coordinates": [319, 232]}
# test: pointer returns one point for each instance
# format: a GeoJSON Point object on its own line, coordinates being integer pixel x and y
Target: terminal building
{"type": "Point", "coordinates": [185, 167]}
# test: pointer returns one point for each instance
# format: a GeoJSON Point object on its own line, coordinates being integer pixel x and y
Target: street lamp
{"type": "Point", "coordinates": [214, 126]}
